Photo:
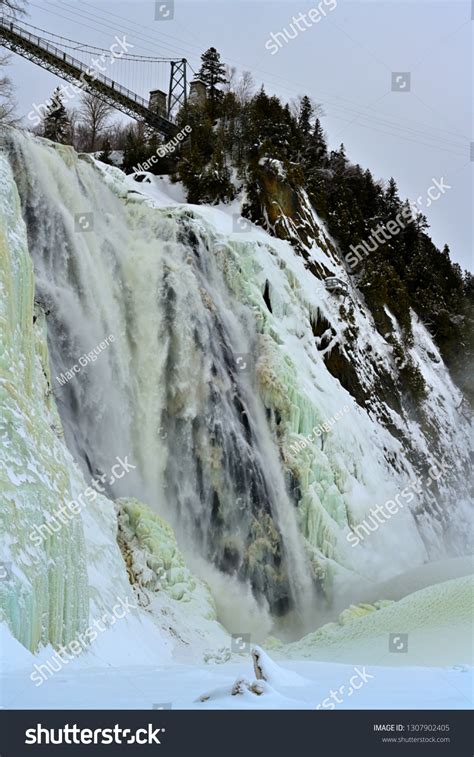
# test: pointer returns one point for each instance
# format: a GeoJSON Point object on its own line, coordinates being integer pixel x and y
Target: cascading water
{"type": "Point", "coordinates": [174, 392]}
{"type": "Point", "coordinates": [212, 415]}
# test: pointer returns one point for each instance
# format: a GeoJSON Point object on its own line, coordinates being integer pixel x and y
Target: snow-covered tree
{"type": "Point", "coordinates": [305, 114]}
{"type": "Point", "coordinates": [56, 124]}
{"type": "Point", "coordinates": [106, 150]}
{"type": "Point", "coordinates": [213, 74]}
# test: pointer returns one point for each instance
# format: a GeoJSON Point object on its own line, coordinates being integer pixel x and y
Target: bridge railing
{"type": "Point", "coordinates": [20, 31]}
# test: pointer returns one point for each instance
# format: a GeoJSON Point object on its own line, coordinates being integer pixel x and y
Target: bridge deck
{"type": "Point", "coordinates": [17, 39]}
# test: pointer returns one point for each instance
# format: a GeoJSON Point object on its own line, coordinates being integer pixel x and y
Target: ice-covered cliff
{"type": "Point", "coordinates": [61, 563]}
{"type": "Point", "coordinates": [249, 405]}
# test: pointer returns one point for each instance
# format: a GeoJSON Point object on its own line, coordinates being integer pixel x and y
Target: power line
{"type": "Point", "coordinates": [81, 46]}
{"type": "Point", "coordinates": [109, 28]}
{"type": "Point", "coordinates": [402, 131]}
{"type": "Point", "coordinates": [405, 138]}
{"type": "Point", "coordinates": [423, 126]}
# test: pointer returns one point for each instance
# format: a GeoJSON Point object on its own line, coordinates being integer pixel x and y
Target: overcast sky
{"type": "Point", "coordinates": [344, 61]}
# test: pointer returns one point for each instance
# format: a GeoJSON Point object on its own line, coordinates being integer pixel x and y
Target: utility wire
{"type": "Point", "coordinates": [422, 125]}
{"type": "Point", "coordinates": [401, 131]}
{"type": "Point", "coordinates": [92, 48]}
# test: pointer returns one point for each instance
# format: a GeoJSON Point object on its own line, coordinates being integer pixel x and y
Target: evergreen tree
{"type": "Point", "coordinates": [56, 124]}
{"type": "Point", "coordinates": [191, 168]}
{"type": "Point", "coordinates": [212, 73]}
{"type": "Point", "coordinates": [269, 129]}
{"type": "Point", "coordinates": [136, 151]}
{"type": "Point", "coordinates": [318, 148]}
{"type": "Point", "coordinates": [305, 115]}
{"type": "Point", "coordinates": [338, 160]}
{"type": "Point", "coordinates": [391, 197]}
{"type": "Point", "coordinates": [104, 156]}
{"type": "Point", "coordinates": [468, 285]}
{"type": "Point", "coordinates": [215, 180]}
{"type": "Point", "coordinates": [314, 161]}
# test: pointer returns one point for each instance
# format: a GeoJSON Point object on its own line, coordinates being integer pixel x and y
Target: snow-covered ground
{"type": "Point", "coordinates": [182, 686]}
{"type": "Point", "coordinates": [129, 667]}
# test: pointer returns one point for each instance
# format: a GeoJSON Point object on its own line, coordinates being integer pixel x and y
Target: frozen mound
{"type": "Point", "coordinates": [152, 556]}
{"type": "Point", "coordinates": [180, 603]}
{"type": "Point", "coordinates": [438, 622]}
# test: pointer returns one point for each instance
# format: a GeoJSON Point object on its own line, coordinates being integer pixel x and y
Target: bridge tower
{"type": "Point", "coordinates": [178, 86]}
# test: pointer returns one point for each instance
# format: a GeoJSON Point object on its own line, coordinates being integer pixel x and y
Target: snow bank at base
{"type": "Point", "coordinates": [234, 686]}
{"type": "Point", "coordinates": [13, 655]}
{"type": "Point", "coordinates": [438, 621]}
{"type": "Point", "coordinates": [125, 670]}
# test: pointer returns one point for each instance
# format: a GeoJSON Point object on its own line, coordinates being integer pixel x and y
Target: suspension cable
{"type": "Point", "coordinates": [92, 48]}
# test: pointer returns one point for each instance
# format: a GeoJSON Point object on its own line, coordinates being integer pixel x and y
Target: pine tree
{"type": "Point", "coordinates": [269, 129]}
{"type": "Point", "coordinates": [338, 160]}
{"type": "Point", "coordinates": [135, 151]}
{"type": "Point", "coordinates": [104, 156]}
{"type": "Point", "coordinates": [216, 185]}
{"type": "Point", "coordinates": [56, 124]}
{"type": "Point", "coordinates": [212, 73]}
{"type": "Point", "coordinates": [305, 114]}
{"type": "Point", "coordinates": [391, 196]}
{"type": "Point", "coordinates": [316, 153]}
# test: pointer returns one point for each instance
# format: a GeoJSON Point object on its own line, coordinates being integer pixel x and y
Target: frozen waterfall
{"type": "Point", "coordinates": [174, 392]}
{"type": "Point", "coordinates": [191, 356]}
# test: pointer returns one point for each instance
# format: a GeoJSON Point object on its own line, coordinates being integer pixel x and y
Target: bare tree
{"type": "Point", "coordinates": [94, 115]}
{"type": "Point", "coordinates": [230, 72]}
{"type": "Point", "coordinates": [12, 7]}
{"type": "Point", "coordinates": [74, 121]}
{"type": "Point", "coordinates": [244, 87]}
{"type": "Point", "coordinates": [241, 85]}
{"type": "Point", "coordinates": [7, 103]}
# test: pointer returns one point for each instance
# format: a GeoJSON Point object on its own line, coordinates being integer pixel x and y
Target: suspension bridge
{"type": "Point", "coordinates": [82, 70]}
